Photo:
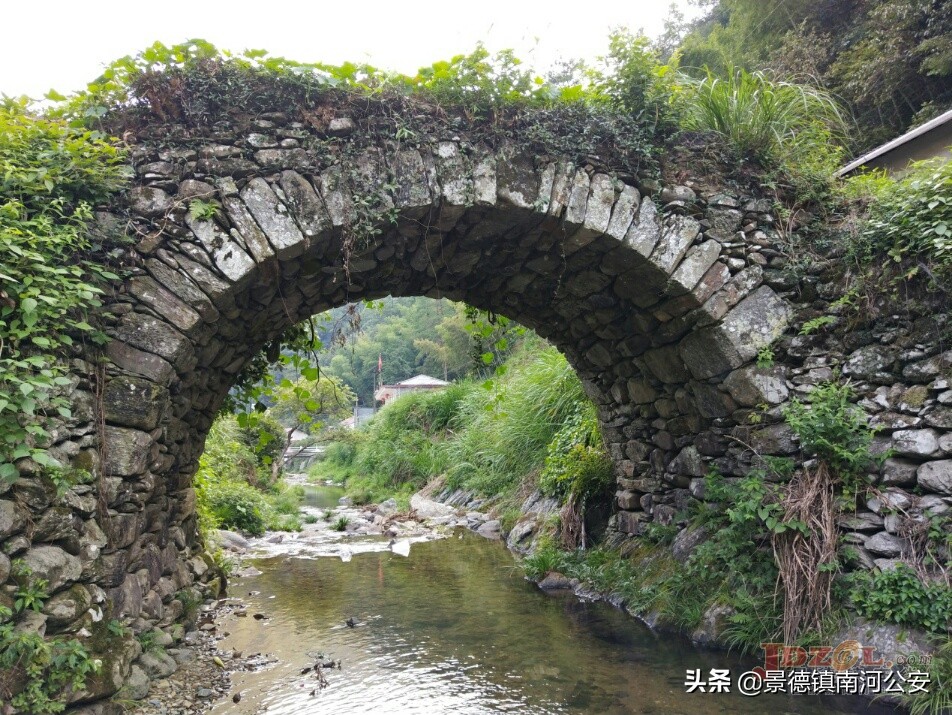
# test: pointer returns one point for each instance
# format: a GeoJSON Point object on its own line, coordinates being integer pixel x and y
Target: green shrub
{"type": "Point", "coordinates": [51, 177]}
{"type": "Point", "coordinates": [576, 462]}
{"type": "Point", "coordinates": [898, 596]}
{"type": "Point", "coordinates": [545, 558]}
{"type": "Point", "coordinates": [910, 219]}
{"type": "Point", "coordinates": [765, 118]}
{"type": "Point", "coordinates": [834, 430]}
{"type": "Point", "coordinates": [236, 505]}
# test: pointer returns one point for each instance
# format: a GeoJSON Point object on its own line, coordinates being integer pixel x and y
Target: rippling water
{"type": "Point", "coordinates": [455, 628]}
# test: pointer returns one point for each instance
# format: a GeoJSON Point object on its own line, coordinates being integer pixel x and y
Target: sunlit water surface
{"type": "Point", "coordinates": [455, 628]}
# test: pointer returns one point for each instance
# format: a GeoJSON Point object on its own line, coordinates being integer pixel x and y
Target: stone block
{"type": "Point", "coordinates": [936, 476]}
{"type": "Point", "coordinates": [272, 216]}
{"type": "Point", "coordinates": [134, 402]}
{"type": "Point", "coordinates": [754, 323]}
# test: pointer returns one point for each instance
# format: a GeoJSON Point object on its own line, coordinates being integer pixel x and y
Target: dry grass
{"type": "Point", "coordinates": [810, 499]}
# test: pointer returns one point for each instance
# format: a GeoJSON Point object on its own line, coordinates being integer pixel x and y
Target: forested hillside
{"type": "Point", "coordinates": [406, 337]}
{"type": "Point", "coordinates": [890, 61]}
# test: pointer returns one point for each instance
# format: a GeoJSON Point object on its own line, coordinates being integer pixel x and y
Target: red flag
{"type": "Point", "coordinates": [379, 363]}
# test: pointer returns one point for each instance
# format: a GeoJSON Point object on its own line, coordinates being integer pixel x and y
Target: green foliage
{"type": "Point", "coordinates": [233, 483]}
{"type": "Point", "coordinates": [897, 595]}
{"type": "Point", "coordinates": [51, 177]}
{"type": "Point", "coordinates": [50, 667]}
{"type": "Point", "coordinates": [413, 335]}
{"type": "Point", "coordinates": [30, 595]}
{"type": "Point", "coordinates": [480, 82]}
{"type": "Point", "coordinates": [308, 403]}
{"type": "Point", "coordinates": [202, 210]}
{"type": "Point", "coordinates": [910, 220]}
{"type": "Point", "coordinates": [236, 505]}
{"type": "Point", "coordinates": [576, 462]}
{"type": "Point", "coordinates": [891, 61]}
{"type": "Point", "coordinates": [634, 80]}
{"type": "Point", "coordinates": [545, 558]}
{"type": "Point", "coordinates": [811, 326]}
{"type": "Point", "coordinates": [833, 429]}
{"type": "Point", "coordinates": [340, 524]}
{"type": "Point", "coordinates": [938, 699]}
{"type": "Point", "coordinates": [765, 358]}
{"type": "Point", "coordinates": [798, 127]}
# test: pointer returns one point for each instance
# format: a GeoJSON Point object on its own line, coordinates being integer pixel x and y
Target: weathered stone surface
{"type": "Point", "coordinates": [136, 686]}
{"type": "Point", "coordinates": [695, 264]}
{"type": "Point", "coordinates": [228, 254]}
{"type": "Point", "coordinates": [429, 509]}
{"type": "Point", "coordinates": [884, 544]}
{"type": "Point", "coordinates": [116, 654]}
{"type": "Point", "coordinates": [632, 522]}
{"type": "Point", "coordinates": [307, 207]}
{"type": "Point", "coordinates": [936, 476]}
{"type": "Point", "coordinates": [491, 529]}
{"type": "Point", "coordinates": [127, 451]}
{"type": "Point", "coordinates": [751, 386]}
{"type": "Point", "coordinates": [12, 518]}
{"type": "Point", "coordinates": [916, 443]}
{"type": "Point", "coordinates": [163, 302]}
{"type": "Point", "coordinates": [645, 229]}
{"type": "Point", "coordinates": [66, 606]}
{"type": "Point", "coordinates": [688, 462]}
{"type": "Point", "coordinates": [753, 324]}
{"type": "Point", "coordinates": [869, 361]}
{"type": "Point", "coordinates": [677, 193]}
{"type": "Point", "coordinates": [341, 126]}
{"type": "Point", "coordinates": [53, 564]}
{"type": "Point", "coordinates": [677, 234]}
{"type": "Point", "coordinates": [272, 216]}
{"type": "Point", "coordinates": [555, 581]}
{"type": "Point", "coordinates": [861, 521]}
{"type": "Point", "coordinates": [157, 664]}
{"type": "Point", "coordinates": [148, 201]}
{"type": "Point", "coordinates": [155, 336]}
{"type": "Point", "coordinates": [899, 472]}
{"type": "Point", "coordinates": [627, 500]}
{"type": "Point", "coordinates": [930, 367]}
{"type": "Point", "coordinates": [775, 439]}
{"type": "Point", "coordinates": [133, 402]}
{"type": "Point", "coordinates": [623, 213]}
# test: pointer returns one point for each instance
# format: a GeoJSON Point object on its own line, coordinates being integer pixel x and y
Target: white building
{"type": "Point", "coordinates": [385, 393]}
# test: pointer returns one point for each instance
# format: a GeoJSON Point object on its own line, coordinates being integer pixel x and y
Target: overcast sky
{"type": "Point", "coordinates": [63, 45]}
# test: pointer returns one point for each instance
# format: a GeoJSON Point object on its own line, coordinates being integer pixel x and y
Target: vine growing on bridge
{"type": "Point", "coordinates": [51, 178]}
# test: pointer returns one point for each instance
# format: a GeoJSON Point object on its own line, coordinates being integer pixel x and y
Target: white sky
{"type": "Point", "coordinates": [63, 45]}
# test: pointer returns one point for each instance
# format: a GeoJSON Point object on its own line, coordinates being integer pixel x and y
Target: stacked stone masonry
{"type": "Point", "coordinates": [660, 297]}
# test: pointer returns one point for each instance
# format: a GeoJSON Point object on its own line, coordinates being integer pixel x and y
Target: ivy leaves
{"type": "Point", "coordinates": [50, 174]}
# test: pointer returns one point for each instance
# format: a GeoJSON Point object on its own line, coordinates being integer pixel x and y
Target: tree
{"type": "Point", "coordinates": [308, 404]}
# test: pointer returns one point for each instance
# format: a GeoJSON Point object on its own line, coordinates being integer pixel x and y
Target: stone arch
{"type": "Point", "coordinates": [659, 311]}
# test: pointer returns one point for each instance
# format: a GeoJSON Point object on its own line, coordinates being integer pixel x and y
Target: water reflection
{"type": "Point", "coordinates": [454, 628]}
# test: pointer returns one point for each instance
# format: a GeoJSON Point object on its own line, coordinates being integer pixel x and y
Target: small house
{"type": "Point", "coordinates": [385, 393]}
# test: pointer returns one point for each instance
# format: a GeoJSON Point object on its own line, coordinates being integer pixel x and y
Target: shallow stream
{"type": "Point", "coordinates": [455, 628]}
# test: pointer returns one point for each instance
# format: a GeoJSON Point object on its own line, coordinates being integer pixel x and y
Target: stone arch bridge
{"type": "Point", "coordinates": [655, 294]}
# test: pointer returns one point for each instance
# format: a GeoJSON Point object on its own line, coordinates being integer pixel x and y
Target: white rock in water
{"type": "Point", "coordinates": [401, 548]}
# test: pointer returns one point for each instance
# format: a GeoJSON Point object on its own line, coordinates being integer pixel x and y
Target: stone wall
{"type": "Point", "coordinates": [661, 298]}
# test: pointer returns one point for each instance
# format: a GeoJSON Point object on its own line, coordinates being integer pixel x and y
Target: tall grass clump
{"type": "Point", "coordinates": [505, 434]}
{"type": "Point", "coordinates": [765, 118]}
{"type": "Point", "coordinates": [403, 447]}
